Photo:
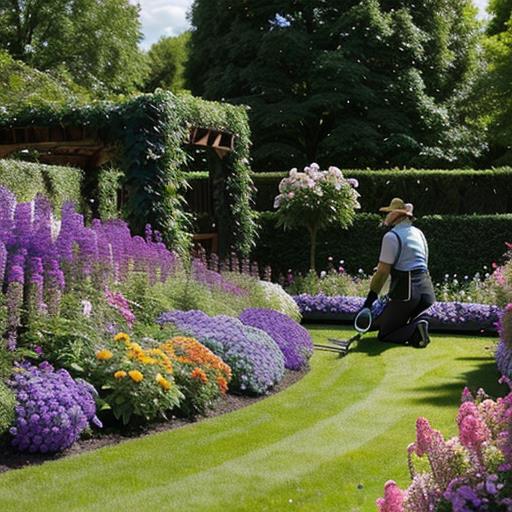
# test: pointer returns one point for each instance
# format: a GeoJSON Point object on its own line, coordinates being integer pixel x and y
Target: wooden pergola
{"type": "Point", "coordinates": [83, 147]}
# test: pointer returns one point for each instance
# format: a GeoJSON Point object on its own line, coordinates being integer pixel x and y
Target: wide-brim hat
{"type": "Point", "coordinates": [397, 205]}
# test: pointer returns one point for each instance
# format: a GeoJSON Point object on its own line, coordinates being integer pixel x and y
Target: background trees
{"type": "Point", "coordinates": [166, 63]}
{"type": "Point", "coordinates": [359, 83]}
{"type": "Point", "coordinates": [94, 41]}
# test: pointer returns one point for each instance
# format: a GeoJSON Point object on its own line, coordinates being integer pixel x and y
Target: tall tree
{"type": "Point", "coordinates": [96, 41]}
{"type": "Point", "coordinates": [166, 63]}
{"type": "Point", "coordinates": [366, 83]}
{"type": "Point", "coordinates": [494, 91]}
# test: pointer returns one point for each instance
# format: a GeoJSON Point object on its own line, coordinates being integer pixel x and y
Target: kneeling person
{"type": "Point", "coordinates": [404, 255]}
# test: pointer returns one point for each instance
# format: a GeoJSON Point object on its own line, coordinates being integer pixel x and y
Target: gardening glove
{"type": "Point", "coordinates": [370, 299]}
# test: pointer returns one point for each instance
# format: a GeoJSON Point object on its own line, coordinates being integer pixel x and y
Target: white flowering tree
{"type": "Point", "coordinates": [316, 199]}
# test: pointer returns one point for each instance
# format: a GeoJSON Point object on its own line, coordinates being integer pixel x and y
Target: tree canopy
{"type": "Point", "coordinates": [95, 41]}
{"type": "Point", "coordinates": [353, 83]}
{"type": "Point", "coordinates": [166, 63]}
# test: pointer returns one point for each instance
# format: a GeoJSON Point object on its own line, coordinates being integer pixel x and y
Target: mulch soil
{"type": "Point", "coordinates": [10, 459]}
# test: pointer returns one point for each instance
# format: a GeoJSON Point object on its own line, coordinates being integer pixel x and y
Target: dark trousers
{"type": "Point", "coordinates": [399, 319]}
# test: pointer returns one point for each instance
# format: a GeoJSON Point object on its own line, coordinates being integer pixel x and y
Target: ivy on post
{"type": "Point", "coordinates": [146, 138]}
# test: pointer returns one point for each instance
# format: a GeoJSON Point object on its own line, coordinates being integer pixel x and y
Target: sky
{"type": "Point", "coordinates": [169, 18]}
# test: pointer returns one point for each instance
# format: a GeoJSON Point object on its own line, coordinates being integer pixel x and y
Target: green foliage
{"type": "Point", "coordinates": [366, 83]}
{"type": "Point", "coordinates": [459, 244]}
{"type": "Point", "coordinates": [26, 180]}
{"type": "Point", "coordinates": [331, 283]}
{"type": "Point", "coordinates": [109, 183]}
{"type": "Point", "coordinates": [493, 90]}
{"type": "Point", "coordinates": [454, 192]}
{"type": "Point", "coordinates": [152, 130]}
{"type": "Point", "coordinates": [96, 43]}
{"type": "Point", "coordinates": [7, 404]}
{"type": "Point", "coordinates": [21, 84]}
{"type": "Point", "coordinates": [500, 11]}
{"type": "Point", "coordinates": [133, 381]}
{"type": "Point", "coordinates": [166, 63]}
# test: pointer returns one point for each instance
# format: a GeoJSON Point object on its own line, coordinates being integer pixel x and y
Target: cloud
{"type": "Point", "coordinates": [162, 18]}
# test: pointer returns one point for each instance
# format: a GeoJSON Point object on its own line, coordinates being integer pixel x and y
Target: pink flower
{"type": "Point", "coordinates": [393, 500]}
{"type": "Point", "coordinates": [467, 396]}
{"type": "Point", "coordinates": [423, 436]}
{"type": "Point", "coordinates": [473, 432]}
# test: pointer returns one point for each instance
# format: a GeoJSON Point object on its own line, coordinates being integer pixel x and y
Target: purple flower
{"type": "Point", "coordinates": [293, 340]}
{"type": "Point", "coordinates": [59, 408]}
{"type": "Point", "coordinates": [254, 357]}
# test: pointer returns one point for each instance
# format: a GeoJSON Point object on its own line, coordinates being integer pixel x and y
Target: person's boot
{"type": "Point", "coordinates": [421, 338]}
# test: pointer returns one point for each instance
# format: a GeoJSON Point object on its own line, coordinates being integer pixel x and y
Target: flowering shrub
{"type": "Point", "coordinates": [504, 350]}
{"type": "Point", "coordinates": [471, 472]}
{"type": "Point", "coordinates": [441, 313]}
{"type": "Point", "coordinates": [53, 409]}
{"type": "Point", "coordinates": [40, 258]}
{"type": "Point", "coordinates": [133, 380]}
{"type": "Point", "coordinates": [120, 304]}
{"type": "Point", "coordinates": [293, 340]}
{"type": "Point", "coordinates": [315, 199]}
{"type": "Point", "coordinates": [278, 299]}
{"type": "Point", "coordinates": [255, 359]}
{"type": "Point", "coordinates": [199, 373]}
{"type": "Point", "coordinates": [7, 403]}
{"type": "Point", "coordinates": [213, 279]}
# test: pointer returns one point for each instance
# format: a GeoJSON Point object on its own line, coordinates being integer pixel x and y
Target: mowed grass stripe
{"type": "Point", "coordinates": [347, 419]}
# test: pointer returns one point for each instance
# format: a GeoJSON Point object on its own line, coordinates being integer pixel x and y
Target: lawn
{"type": "Point", "coordinates": [328, 442]}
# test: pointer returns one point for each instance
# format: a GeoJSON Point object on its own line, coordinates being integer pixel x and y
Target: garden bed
{"type": "Point", "coordinates": [443, 316]}
{"type": "Point", "coordinates": [12, 459]}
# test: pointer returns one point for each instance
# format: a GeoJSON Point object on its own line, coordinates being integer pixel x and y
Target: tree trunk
{"type": "Point", "coordinates": [312, 249]}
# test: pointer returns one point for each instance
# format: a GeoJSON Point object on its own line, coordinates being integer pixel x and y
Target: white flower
{"type": "Point", "coordinates": [277, 201]}
{"type": "Point", "coordinates": [323, 274]}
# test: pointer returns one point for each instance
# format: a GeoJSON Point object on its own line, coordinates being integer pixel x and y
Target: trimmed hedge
{"type": "Point", "coordinates": [26, 180]}
{"type": "Point", "coordinates": [455, 192]}
{"type": "Point", "coordinates": [460, 244]}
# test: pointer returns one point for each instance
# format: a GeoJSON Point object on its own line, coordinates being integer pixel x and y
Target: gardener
{"type": "Point", "coordinates": [404, 255]}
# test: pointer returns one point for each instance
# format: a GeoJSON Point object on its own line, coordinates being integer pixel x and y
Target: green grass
{"type": "Point", "coordinates": [328, 442]}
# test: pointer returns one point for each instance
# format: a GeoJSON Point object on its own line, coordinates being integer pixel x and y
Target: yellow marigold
{"type": "Point", "coordinates": [163, 382]}
{"type": "Point", "coordinates": [135, 375]}
{"type": "Point", "coordinates": [120, 374]}
{"type": "Point", "coordinates": [104, 355]}
{"type": "Point", "coordinates": [122, 337]}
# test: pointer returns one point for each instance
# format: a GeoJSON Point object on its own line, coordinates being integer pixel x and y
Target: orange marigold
{"type": "Point", "coordinates": [223, 384]}
{"type": "Point", "coordinates": [120, 374]}
{"type": "Point", "coordinates": [199, 374]}
{"type": "Point", "coordinates": [135, 375]}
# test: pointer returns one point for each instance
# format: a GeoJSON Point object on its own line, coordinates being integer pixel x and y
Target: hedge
{"type": "Point", "coordinates": [455, 192]}
{"type": "Point", "coordinates": [459, 244]}
{"type": "Point", "coordinates": [27, 179]}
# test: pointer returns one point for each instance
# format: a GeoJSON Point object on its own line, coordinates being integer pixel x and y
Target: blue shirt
{"type": "Point", "coordinates": [413, 248]}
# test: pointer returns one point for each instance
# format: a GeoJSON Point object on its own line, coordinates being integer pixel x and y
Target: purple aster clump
{"type": "Point", "coordinates": [53, 409]}
{"type": "Point", "coordinates": [254, 357]}
{"type": "Point", "coordinates": [293, 340]}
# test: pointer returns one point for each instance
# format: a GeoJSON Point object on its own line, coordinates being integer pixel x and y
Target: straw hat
{"type": "Point", "coordinates": [399, 206]}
